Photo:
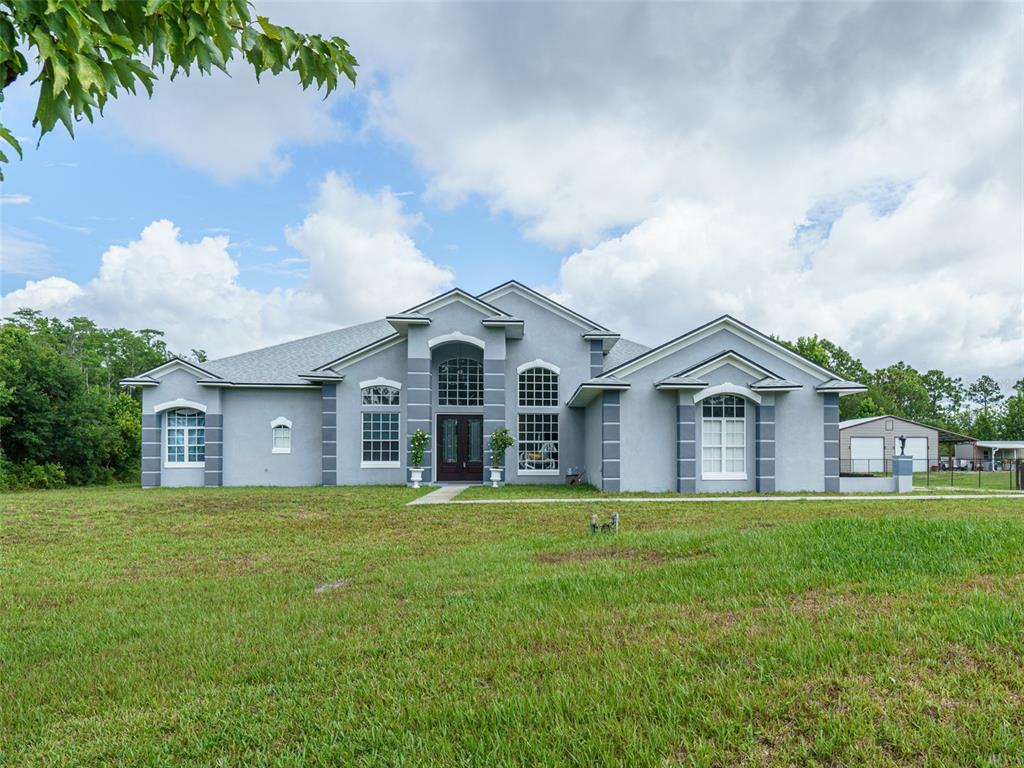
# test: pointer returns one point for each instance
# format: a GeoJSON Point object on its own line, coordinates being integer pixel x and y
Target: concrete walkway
{"type": "Point", "coordinates": [446, 495]}
{"type": "Point", "coordinates": [442, 495]}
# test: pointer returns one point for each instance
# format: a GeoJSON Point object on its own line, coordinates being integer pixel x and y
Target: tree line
{"type": "Point", "coordinates": [65, 420]}
{"type": "Point", "coordinates": [978, 409]}
{"type": "Point", "coordinates": [63, 417]}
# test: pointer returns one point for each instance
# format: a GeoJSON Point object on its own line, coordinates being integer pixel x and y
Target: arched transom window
{"type": "Point", "coordinates": [460, 381]}
{"type": "Point", "coordinates": [380, 394]}
{"type": "Point", "coordinates": [538, 386]}
{"type": "Point", "coordinates": [724, 438]}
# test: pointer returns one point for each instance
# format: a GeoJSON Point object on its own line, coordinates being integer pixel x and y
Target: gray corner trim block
{"type": "Point", "coordinates": [610, 442]}
{"type": "Point", "coordinates": [686, 449]}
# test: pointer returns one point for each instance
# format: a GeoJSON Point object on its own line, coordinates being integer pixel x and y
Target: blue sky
{"type": "Point", "coordinates": [822, 168]}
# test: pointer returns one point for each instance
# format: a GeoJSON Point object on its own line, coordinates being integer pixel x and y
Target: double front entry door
{"type": "Point", "coordinates": [460, 442]}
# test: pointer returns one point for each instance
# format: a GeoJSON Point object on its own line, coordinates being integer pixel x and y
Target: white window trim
{"type": "Point", "coordinates": [527, 411]}
{"type": "Point", "coordinates": [723, 475]}
{"type": "Point", "coordinates": [181, 464]}
{"type": "Point", "coordinates": [465, 338]}
{"type": "Point", "coordinates": [380, 381]}
{"type": "Point", "coordinates": [179, 403]}
{"type": "Point", "coordinates": [363, 464]}
{"type": "Point", "coordinates": [538, 363]}
{"type": "Point", "coordinates": [280, 421]}
{"type": "Point", "coordinates": [728, 388]}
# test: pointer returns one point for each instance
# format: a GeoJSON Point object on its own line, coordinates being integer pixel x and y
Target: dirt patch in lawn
{"type": "Point", "coordinates": [984, 582]}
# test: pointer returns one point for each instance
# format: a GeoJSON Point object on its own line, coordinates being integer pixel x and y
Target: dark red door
{"type": "Point", "coordinates": [460, 442]}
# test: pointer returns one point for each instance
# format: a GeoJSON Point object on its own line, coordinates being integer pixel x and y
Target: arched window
{"type": "Point", "coordinates": [460, 381]}
{"type": "Point", "coordinates": [186, 438]}
{"type": "Point", "coordinates": [538, 386]}
{"type": "Point", "coordinates": [380, 394]}
{"type": "Point", "coordinates": [724, 438]}
{"type": "Point", "coordinates": [281, 435]}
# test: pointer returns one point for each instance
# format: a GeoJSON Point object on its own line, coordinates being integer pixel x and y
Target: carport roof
{"type": "Point", "coordinates": [945, 435]}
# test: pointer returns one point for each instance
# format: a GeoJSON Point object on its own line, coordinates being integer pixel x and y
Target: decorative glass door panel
{"type": "Point", "coordinates": [462, 448]}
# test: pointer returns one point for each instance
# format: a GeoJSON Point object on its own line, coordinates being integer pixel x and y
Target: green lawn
{"type": "Point", "coordinates": [985, 481]}
{"type": "Point", "coordinates": [184, 627]}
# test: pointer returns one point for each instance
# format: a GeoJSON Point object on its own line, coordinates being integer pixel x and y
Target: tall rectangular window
{"type": "Point", "coordinates": [381, 439]}
{"type": "Point", "coordinates": [538, 442]}
{"type": "Point", "coordinates": [186, 438]}
{"type": "Point", "coordinates": [724, 438]}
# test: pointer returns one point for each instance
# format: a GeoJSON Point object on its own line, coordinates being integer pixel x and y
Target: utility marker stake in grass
{"type": "Point", "coordinates": [610, 527]}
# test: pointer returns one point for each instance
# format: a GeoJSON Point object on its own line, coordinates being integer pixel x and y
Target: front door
{"type": "Point", "coordinates": [461, 443]}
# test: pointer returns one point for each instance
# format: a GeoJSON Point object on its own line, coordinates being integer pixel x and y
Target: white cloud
{"type": "Point", "coordinates": [231, 128]}
{"type": "Point", "coordinates": [15, 199]}
{"type": "Point", "coordinates": [358, 246]}
{"type": "Point", "coordinates": [936, 283]}
{"type": "Point", "coordinates": [53, 294]}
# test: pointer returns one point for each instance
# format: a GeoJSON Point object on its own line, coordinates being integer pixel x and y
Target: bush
{"type": "Point", "coordinates": [18, 477]}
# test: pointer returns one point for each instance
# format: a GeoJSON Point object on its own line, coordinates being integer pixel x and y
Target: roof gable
{"type": "Point", "coordinates": [452, 296]}
{"type": "Point", "coordinates": [517, 288]}
{"type": "Point", "coordinates": [174, 364]}
{"type": "Point", "coordinates": [742, 330]}
{"type": "Point", "coordinates": [728, 357]}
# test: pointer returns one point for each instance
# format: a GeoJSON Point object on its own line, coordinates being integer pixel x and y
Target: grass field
{"type": "Point", "coordinates": [986, 481]}
{"type": "Point", "coordinates": [341, 627]}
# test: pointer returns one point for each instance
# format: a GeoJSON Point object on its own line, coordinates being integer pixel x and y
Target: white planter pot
{"type": "Point", "coordinates": [495, 476]}
{"type": "Point", "coordinates": [416, 476]}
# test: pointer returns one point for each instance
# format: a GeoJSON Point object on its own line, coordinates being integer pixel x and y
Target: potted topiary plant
{"type": "Point", "coordinates": [501, 441]}
{"type": "Point", "coordinates": [417, 449]}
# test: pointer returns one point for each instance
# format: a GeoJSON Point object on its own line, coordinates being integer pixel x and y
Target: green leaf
{"type": "Point", "coordinates": [270, 30]}
{"type": "Point", "coordinates": [7, 136]}
{"type": "Point", "coordinates": [60, 73]}
{"type": "Point", "coordinates": [89, 74]}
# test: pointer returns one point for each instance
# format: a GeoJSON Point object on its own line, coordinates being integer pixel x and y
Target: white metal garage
{"type": "Point", "coordinates": [867, 454]}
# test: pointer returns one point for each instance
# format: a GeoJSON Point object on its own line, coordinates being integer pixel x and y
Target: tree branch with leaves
{"type": "Point", "coordinates": [87, 52]}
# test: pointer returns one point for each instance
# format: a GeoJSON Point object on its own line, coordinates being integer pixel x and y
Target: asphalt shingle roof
{"type": "Point", "coordinates": [623, 350]}
{"type": "Point", "coordinates": [282, 363]}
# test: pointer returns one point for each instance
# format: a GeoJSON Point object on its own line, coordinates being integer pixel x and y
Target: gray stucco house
{"type": "Point", "coordinates": [721, 408]}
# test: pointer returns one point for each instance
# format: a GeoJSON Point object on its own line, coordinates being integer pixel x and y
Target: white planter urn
{"type": "Point", "coordinates": [495, 476]}
{"type": "Point", "coordinates": [416, 476]}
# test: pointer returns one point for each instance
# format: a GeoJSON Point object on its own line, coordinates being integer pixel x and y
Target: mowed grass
{"type": "Point", "coordinates": [985, 481]}
{"type": "Point", "coordinates": [184, 627]}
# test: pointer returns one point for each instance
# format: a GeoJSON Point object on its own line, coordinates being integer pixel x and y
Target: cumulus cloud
{"type": "Point", "coordinates": [230, 128]}
{"type": "Point", "coordinates": [935, 282]}
{"type": "Point", "coordinates": [854, 170]}
{"type": "Point", "coordinates": [359, 250]}
{"type": "Point", "coordinates": [359, 247]}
